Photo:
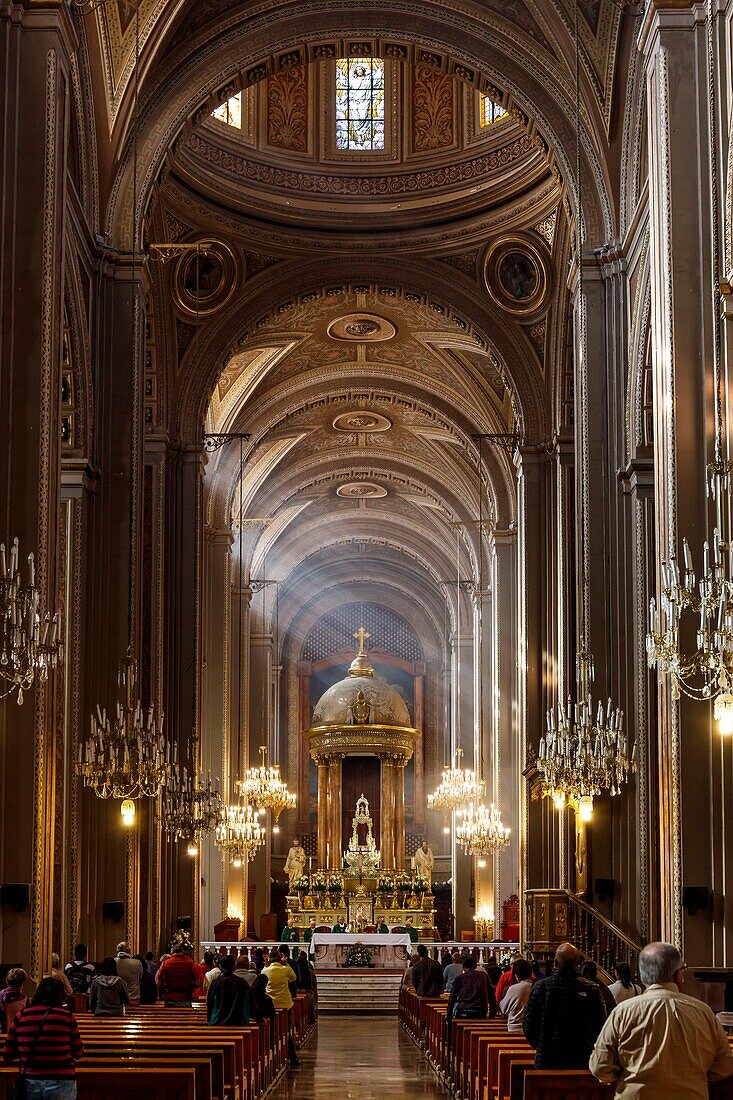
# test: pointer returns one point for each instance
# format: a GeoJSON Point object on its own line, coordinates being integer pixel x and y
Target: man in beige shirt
{"type": "Point", "coordinates": [662, 1044]}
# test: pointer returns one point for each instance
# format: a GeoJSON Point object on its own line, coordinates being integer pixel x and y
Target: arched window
{"type": "Point", "coordinates": [490, 110]}
{"type": "Point", "coordinates": [360, 104]}
{"type": "Point", "coordinates": [230, 111]}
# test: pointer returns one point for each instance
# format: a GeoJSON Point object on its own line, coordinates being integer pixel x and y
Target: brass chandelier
{"type": "Point", "coordinates": [127, 757]}
{"type": "Point", "coordinates": [238, 833]}
{"type": "Point", "coordinates": [481, 832]}
{"type": "Point", "coordinates": [30, 645]}
{"type": "Point", "coordinates": [265, 790]}
{"type": "Point", "coordinates": [191, 807]}
{"type": "Point", "coordinates": [702, 609]}
{"type": "Point", "coordinates": [458, 788]}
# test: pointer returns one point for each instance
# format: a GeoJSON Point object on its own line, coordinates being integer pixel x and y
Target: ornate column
{"type": "Point", "coordinates": [322, 763]}
{"type": "Point", "coordinates": [335, 854]}
{"type": "Point", "coordinates": [399, 812]}
{"type": "Point", "coordinates": [420, 803]}
{"type": "Point", "coordinates": [694, 766]}
{"type": "Point", "coordinates": [387, 813]}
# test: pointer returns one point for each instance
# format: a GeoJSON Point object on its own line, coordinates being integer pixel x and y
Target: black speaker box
{"type": "Point", "coordinates": [113, 910]}
{"type": "Point", "coordinates": [17, 894]}
{"type": "Point", "coordinates": [184, 924]}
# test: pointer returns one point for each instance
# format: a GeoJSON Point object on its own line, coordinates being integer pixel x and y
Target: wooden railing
{"type": "Point", "coordinates": [557, 915]}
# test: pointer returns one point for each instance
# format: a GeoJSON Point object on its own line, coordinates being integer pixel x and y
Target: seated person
{"type": "Point", "coordinates": [338, 926]}
{"type": "Point", "coordinates": [411, 932]}
{"type": "Point", "coordinates": [382, 928]}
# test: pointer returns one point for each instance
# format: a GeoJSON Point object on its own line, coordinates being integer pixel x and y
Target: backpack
{"type": "Point", "coordinates": [79, 977]}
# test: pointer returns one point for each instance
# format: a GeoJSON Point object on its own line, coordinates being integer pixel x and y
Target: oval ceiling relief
{"type": "Point", "coordinates": [360, 421]}
{"type": "Point", "coordinates": [360, 328]}
{"type": "Point", "coordinates": [205, 278]}
{"type": "Point", "coordinates": [361, 490]}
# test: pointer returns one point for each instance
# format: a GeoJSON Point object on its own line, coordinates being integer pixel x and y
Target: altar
{"type": "Point", "coordinates": [329, 950]}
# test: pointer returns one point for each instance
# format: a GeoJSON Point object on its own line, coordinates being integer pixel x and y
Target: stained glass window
{"type": "Point", "coordinates": [491, 110]}
{"type": "Point", "coordinates": [360, 103]}
{"type": "Point", "coordinates": [230, 111]}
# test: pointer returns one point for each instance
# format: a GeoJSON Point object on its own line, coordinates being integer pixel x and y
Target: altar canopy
{"type": "Point", "coordinates": [361, 715]}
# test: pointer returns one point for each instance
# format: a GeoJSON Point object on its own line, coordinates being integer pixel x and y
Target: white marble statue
{"type": "Point", "coordinates": [423, 862]}
{"type": "Point", "coordinates": [295, 863]}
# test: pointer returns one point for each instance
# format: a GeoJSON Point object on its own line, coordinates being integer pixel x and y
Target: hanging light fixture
{"type": "Point", "coordinates": [191, 807]}
{"type": "Point", "coordinates": [584, 751]}
{"type": "Point", "coordinates": [239, 833]}
{"type": "Point", "coordinates": [30, 643]}
{"type": "Point", "coordinates": [481, 832]}
{"type": "Point", "coordinates": [127, 758]}
{"type": "Point", "coordinates": [458, 788]}
{"type": "Point", "coordinates": [705, 671]}
{"type": "Point", "coordinates": [265, 790]}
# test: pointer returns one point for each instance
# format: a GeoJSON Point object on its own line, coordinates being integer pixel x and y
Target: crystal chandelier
{"type": "Point", "coordinates": [191, 807]}
{"type": "Point", "coordinates": [458, 788]}
{"type": "Point", "coordinates": [582, 752]}
{"type": "Point", "coordinates": [239, 833]}
{"type": "Point", "coordinates": [125, 758]}
{"type": "Point", "coordinates": [264, 789]}
{"type": "Point", "coordinates": [481, 831]}
{"type": "Point", "coordinates": [31, 646]}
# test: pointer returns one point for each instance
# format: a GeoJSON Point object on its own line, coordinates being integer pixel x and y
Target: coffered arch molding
{"type": "Point", "coordinates": [190, 83]}
{"type": "Point", "coordinates": [464, 300]}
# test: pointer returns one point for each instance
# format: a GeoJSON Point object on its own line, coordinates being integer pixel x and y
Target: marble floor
{"type": "Point", "coordinates": [364, 1057]}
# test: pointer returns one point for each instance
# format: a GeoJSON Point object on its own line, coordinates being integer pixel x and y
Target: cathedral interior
{"type": "Point", "coordinates": [395, 331]}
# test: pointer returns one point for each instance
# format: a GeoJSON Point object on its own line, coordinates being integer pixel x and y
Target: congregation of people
{"type": "Point", "coordinates": [645, 1037]}
{"type": "Point", "coordinates": [238, 987]}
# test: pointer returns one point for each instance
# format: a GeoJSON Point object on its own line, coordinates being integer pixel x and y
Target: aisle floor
{"type": "Point", "coordinates": [359, 1057]}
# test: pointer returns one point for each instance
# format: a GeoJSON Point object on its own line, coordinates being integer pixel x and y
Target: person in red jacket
{"type": "Point", "coordinates": [44, 1037]}
{"type": "Point", "coordinates": [177, 978]}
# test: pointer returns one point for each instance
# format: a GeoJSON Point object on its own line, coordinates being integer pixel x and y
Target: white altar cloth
{"type": "Point", "coordinates": [369, 939]}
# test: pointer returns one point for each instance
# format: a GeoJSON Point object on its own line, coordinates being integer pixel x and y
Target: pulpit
{"type": "Point", "coordinates": [227, 930]}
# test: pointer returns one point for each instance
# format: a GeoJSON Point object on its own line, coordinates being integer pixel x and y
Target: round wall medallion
{"type": "Point", "coordinates": [361, 490]}
{"type": "Point", "coordinates": [204, 280]}
{"type": "Point", "coordinates": [362, 422]}
{"type": "Point", "coordinates": [518, 276]}
{"type": "Point", "coordinates": [361, 328]}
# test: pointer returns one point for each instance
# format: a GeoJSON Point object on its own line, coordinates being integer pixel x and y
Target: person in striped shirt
{"type": "Point", "coordinates": [45, 1038]}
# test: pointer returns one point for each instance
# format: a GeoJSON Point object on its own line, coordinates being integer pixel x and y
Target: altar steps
{"type": "Point", "coordinates": [359, 992]}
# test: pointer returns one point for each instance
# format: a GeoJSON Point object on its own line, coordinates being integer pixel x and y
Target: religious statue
{"type": "Point", "coordinates": [295, 863]}
{"type": "Point", "coordinates": [423, 862]}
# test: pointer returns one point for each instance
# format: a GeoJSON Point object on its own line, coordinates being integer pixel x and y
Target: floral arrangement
{"type": "Point", "coordinates": [183, 941]}
{"type": "Point", "coordinates": [384, 884]}
{"type": "Point", "coordinates": [335, 884]}
{"type": "Point", "coordinates": [420, 884]}
{"type": "Point", "coordinates": [358, 955]}
{"type": "Point", "coordinates": [403, 883]}
{"type": "Point", "coordinates": [318, 883]}
{"type": "Point", "coordinates": [303, 884]}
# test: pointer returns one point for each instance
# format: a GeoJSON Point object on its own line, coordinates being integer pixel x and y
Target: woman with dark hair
{"type": "Point", "coordinates": [45, 1038]}
{"type": "Point", "coordinates": [108, 995]}
{"type": "Point", "coordinates": [624, 988]}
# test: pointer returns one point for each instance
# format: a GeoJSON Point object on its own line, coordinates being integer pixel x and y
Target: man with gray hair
{"type": "Point", "coordinates": [662, 1044]}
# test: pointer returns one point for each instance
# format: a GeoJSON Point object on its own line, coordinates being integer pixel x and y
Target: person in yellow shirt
{"type": "Point", "coordinates": [279, 975]}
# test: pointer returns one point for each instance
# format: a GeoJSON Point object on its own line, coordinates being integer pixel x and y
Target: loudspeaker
{"type": "Point", "coordinates": [694, 898]}
{"type": "Point", "coordinates": [604, 888]}
{"type": "Point", "coordinates": [17, 894]}
{"type": "Point", "coordinates": [113, 910]}
{"type": "Point", "coordinates": [184, 924]}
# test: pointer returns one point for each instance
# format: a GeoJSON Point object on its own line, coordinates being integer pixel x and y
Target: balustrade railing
{"type": "Point", "coordinates": [553, 916]}
{"type": "Point", "coordinates": [482, 951]}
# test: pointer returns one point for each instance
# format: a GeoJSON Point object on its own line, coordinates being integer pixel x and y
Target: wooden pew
{"type": "Point", "coordinates": [542, 1084]}
{"type": "Point", "coordinates": [507, 1060]}
{"type": "Point", "coordinates": [124, 1083]}
{"type": "Point", "coordinates": [202, 1067]}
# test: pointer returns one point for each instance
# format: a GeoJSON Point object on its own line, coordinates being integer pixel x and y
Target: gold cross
{"type": "Point", "coordinates": [362, 635]}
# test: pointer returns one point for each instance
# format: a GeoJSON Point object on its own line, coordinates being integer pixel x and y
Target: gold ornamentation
{"type": "Point", "coordinates": [518, 275]}
{"type": "Point", "coordinates": [205, 276]}
{"type": "Point", "coordinates": [287, 109]}
{"type": "Point", "coordinates": [432, 110]}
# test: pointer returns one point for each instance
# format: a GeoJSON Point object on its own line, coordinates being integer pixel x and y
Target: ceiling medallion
{"type": "Point", "coordinates": [361, 422]}
{"type": "Point", "coordinates": [518, 276]}
{"type": "Point", "coordinates": [359, 328]}
{"type": "Point", "coordinates": [361, 490]}
{"type": "Point", "coordinates": [205, 280]}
